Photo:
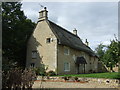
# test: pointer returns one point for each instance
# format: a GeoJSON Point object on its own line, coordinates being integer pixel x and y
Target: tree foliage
{"type": "Point", "coordinates": [100, 51]}
{"type": "Point", "coordinates": [16, 29]}
{"type": "Point", "coordinates": [111, 56]}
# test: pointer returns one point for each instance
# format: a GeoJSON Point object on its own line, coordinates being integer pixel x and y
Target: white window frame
{"type": "Point", "coordinates": [68, 52]}
{"type": "Point", "coordinates": [68, 68]}
{"type": "Point", "coordinates": [34, 54]}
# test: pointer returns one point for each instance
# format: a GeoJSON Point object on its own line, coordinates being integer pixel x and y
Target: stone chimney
{"type": "Point", "coordinates": [75, 31]}
{"type": "Point", "coordinates": [43, 14]}
{"type": "Point", "coordinates": [86, 42]}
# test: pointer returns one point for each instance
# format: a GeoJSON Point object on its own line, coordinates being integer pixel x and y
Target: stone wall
{"type": "Point", "coordinates": [46, 52]}
{"type": "Point", "coordinates": [102, 67]}
{"type": "Point", "coordinates": [92, 62]}
{"type": "Point", "coordinates": [115, 82]}
{"type": "Point", "coordinates": [51, 55]}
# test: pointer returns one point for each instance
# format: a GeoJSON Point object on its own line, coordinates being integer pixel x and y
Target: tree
{"type": "Point", "coordinates": [108, 59]}
{"type": "Point", "coordinates": [16, 30]}
{"type": "Point", "coordinates": [100, 51]}
{"type": "Point", "coordinates": [111, 55]}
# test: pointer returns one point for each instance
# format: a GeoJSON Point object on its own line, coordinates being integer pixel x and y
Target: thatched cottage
{"type": "Point", "coordinates": [58, 49]}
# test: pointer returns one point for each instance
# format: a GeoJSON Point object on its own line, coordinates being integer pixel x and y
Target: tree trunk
{"type": "Point", "coordinates": [111, 68]}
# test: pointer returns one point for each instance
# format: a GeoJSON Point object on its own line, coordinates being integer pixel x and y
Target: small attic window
{"type": "Point", "coordinates": [48, 40]}
{"type": "Point", "coordinates": [34, 54]}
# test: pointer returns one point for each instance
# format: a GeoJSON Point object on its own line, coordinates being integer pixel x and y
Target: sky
{"type": "Point", "coordinates": [95, 21]}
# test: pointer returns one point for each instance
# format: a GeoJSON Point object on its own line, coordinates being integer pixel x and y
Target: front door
{"type": "Point", "coordinates": [80, 68]}
{"type": "Point", "coordinates": [77, 68]}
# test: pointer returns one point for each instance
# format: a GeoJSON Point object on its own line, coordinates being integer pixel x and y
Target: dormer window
{"type": "Point", "coordinates": [48, 40]}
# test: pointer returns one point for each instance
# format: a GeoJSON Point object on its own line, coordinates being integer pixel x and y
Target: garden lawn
{"type": "Point", "coordinates": [111, 75]}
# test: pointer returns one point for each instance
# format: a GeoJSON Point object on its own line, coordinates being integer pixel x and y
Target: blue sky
{"type": "Point", "coordinates": [95, 21]}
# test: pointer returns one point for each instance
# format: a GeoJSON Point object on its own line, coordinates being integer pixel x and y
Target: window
{"type": "Point", "coordinates": [32, 64]}
{"type": "Point", "coordinates": [48, 40]}
{"type": "Point", "coordinates": [66, 66]}
{"type": "Point", "coordinates": [66, 51]}
{"type": "Point", "coordinates": [34, 54]}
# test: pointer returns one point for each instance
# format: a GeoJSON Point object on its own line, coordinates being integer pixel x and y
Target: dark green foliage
{"type": "Point", "coordinates": [51, 73]}
{"type": "Point", "coordinates": [40, 71]}
{"type": "Point", "coordinates": [100, 51]}
{"type": "Point", "coordinates": [76, 78]}
{"type": "Point", "coordinates": [66, 78]}
{"type": "Point", "coordinates": [111, 55]}
{"type": "Point", "coordinates": [16, 29]}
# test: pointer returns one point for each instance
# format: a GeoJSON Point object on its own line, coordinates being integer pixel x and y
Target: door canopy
{"type": "Point", "coordinates": [80, 60]}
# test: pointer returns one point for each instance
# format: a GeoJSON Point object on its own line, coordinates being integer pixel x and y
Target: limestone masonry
{"type": "Point", "coordinates": [53, 47]}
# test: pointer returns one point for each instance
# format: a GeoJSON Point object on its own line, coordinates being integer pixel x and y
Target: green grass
{"type": "Point", "coordinates": [110, 75]}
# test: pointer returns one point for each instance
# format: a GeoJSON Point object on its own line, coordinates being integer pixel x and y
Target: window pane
{"type": "Point", "coordinates": [66, 66]}
{"type": "Point", "coordinates": [66, 51]}
{"type": "Point", "coordinates": [34, 54]}
{"type": "Point", "coordinates": [48, 40]}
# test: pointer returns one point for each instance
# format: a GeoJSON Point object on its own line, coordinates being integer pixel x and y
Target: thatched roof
{"type": "Point", "coordinates": [69, 39]}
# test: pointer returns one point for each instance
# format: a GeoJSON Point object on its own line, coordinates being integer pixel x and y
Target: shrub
{"type": "Point", "coordinates": [40, 71]}
{"type": "Point", "coordinates": [18, 78]}
{"type": "Point", "coordinates": [76, 78]}
{"type": "Point", "coordinates": [51, 73]}
{"type": "Point", "coordinates": [90, 71]}
{"type": "Point", "coordinates": [66, 78]}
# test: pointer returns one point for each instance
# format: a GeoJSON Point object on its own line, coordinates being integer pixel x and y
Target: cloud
{"type": "Point", "coordinates": [96, 21]}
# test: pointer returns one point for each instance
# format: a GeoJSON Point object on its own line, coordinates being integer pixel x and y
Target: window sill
{"type": "Point", "coordinates": [66, 54]}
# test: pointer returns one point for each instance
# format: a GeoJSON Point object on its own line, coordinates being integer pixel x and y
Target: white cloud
{"type": "Point", "coordinates": [106, 42]}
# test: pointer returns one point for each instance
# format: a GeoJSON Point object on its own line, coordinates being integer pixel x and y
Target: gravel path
{"type": "Point", "coordinates": [72, 85]}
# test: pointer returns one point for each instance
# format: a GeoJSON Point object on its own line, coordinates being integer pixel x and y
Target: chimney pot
{"type": "Point", "coordinates": [75, 31]}
{"type": "Point", "coordinates": [45, 8]}
{"type": "Point", "coordinates": [86, 42]}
